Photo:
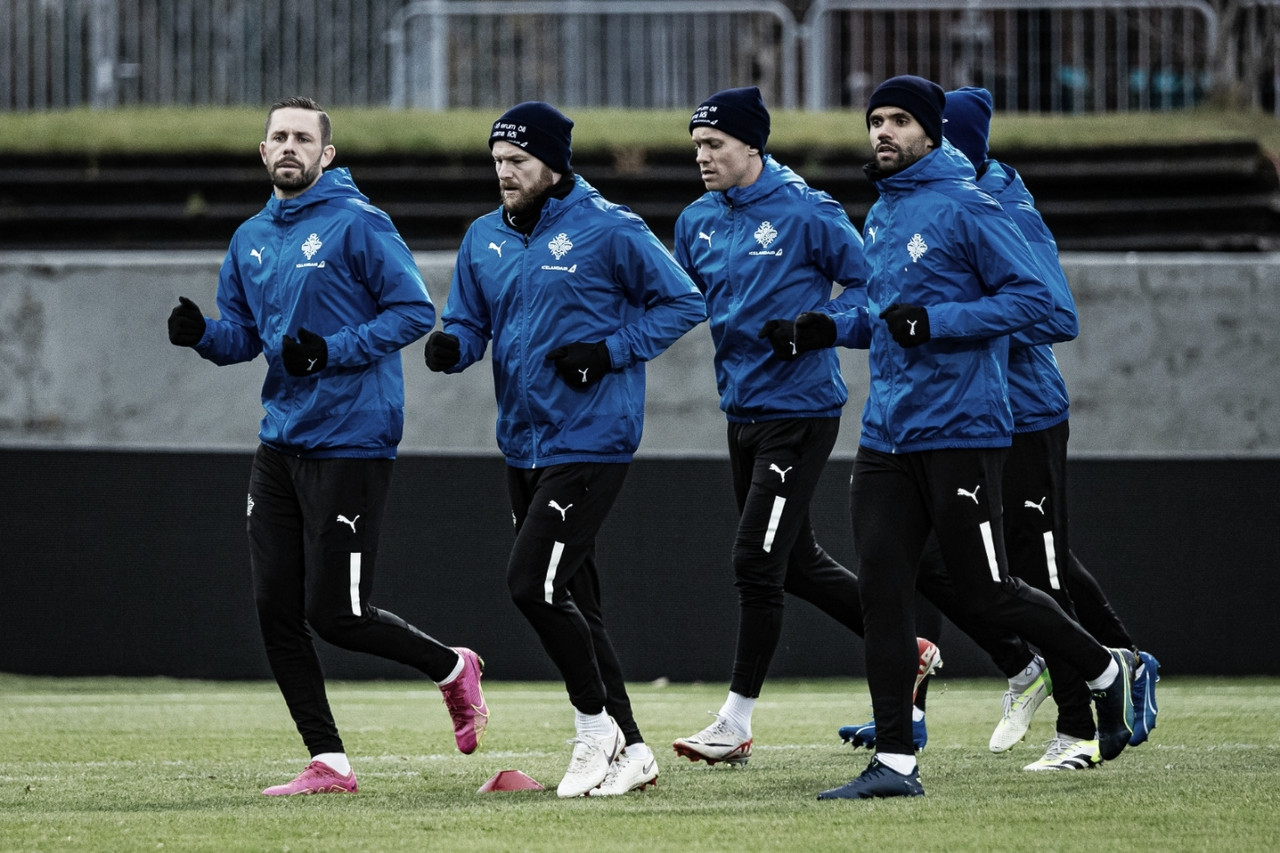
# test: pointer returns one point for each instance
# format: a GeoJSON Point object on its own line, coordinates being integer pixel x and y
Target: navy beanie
{"type": "Point", "coordinates": [968, 122]}
{"type": "Point", "coordinates": [923, 98]}
{"type": "Point", "coordinates": [540, 129]}
{"type": "Point", "coordinates": [738, 112]}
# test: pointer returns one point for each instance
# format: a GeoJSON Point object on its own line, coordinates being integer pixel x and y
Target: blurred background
{"type": "Point", "coordinates": [1149, 133]}
{"type": "Point", "coordinates": [1043, 56]}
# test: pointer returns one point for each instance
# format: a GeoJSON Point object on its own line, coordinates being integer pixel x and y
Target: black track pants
{"type": "Point", "coordinates": [313, 543]}
{"type": "Point", "coordinates": [895, 501]}
{"type": "Point", "coordinates": [553, 578]}
{"type": "Point", "coordinates": [775, 467]}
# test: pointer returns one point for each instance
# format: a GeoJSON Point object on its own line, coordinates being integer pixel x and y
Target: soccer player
{"type": "Point", "coordinates": [950, 278]}
{"type": "Point", "coordinates": [761, 245]}
{"type": "Point", "coordinates": [1036, 527]}
{"type": "Point", "coordinates": [576, 294]}
{"type": "Point", "coordinates": [323, 286]}
{"type": "Point", "coordinates": [1035, 490]}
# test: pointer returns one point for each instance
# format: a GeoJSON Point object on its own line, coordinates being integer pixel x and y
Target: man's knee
{"type": "Point", "coordinates": [333, 626]}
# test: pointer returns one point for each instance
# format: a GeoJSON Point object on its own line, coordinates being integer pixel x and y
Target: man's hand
{"type": "Point", "coordinates": [186, 323]}
{"type": "Point", "coordinates": [442, 351]}
{"type": "Point", "coordinates": [782, 337]}
{"type": "Point", "coordinates": [582, 364]}
{"type": "Point", "coordinates": [909, 324]}
{"type": "Point", "coordinates": [815, 330]}
{"type": "Point", "coordinates": [308, 354]}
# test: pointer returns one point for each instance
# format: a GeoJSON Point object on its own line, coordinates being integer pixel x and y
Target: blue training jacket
{"type": "Point", "coordinates": [933, 239]}
{"type": "Point", "coordinates": [1037, 390]}
{"type": "Point", "coordinates": [335, 264]}
{"type": "Point", "coordinates": [771, 250]}
{"type": "Point", "coordinates": [590, 271]}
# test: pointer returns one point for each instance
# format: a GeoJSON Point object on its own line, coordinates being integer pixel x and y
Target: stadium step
{"type": "Point", "coordinates": [1196, 197]}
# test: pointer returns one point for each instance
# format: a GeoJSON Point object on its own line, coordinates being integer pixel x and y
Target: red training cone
{"type": "Point", "coordinates": [510, 780]}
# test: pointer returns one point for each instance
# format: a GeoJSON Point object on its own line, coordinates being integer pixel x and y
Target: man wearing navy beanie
{"type": "Point", "coordinates": [923, 98]}
{"type": "Point", "coordinates": [952, 279]}
{"type": "Point", "coordinates": [738, 112]}
{"type": "Point", "coordinates": [968, 123]}
{"type": "Point", "coordinates": [570, 295]}
{"type": "Point", "coordinates": [765, 248]}
{"type": "Point", "coordinates": [540, 129]}
{"type": "Point", "coordinates": [1036, 467]}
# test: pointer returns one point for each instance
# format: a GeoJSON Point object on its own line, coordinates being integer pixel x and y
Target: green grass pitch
{"type": "Point", "coordinates": [164, 765]}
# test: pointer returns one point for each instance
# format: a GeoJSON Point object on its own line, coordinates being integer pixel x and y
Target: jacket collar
{"type": "Point", "coordinates": [333, 183]}
{"type": "Point", "coordinates": [773, 177]}
{"type": "Point", "coordinates": [941, 164]}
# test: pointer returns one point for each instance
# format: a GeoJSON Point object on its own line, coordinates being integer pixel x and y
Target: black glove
{"type": "Point", "coordinates": [782, 337]}
{"type": "Point", "coordinates": [909, 324]}
{"type": "Point", "coordinates": [186, 324]}
{"type": "Point", "coordinates": [442, 351]}
{"type": "Point", "coordinates": [582, 364]}
{"type": "Point", "coordinates": [308, 354]}
{"type": "Point", "coordinates": [815, 330]}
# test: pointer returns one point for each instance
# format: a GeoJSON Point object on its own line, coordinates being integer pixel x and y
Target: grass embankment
{"type": "Point", "coordinates": [371, 131]}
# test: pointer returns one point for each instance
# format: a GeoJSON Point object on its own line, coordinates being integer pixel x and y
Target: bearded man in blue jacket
{"type": "Point", "coordinates": [1035, 492]}
{"type": "Point", "coordinates": [322, 285]}
{"type": "Point", "coordinates": [576, 294]}
{"type": "Point", "coordinates": [950, 279]}
{"type": "Point", "coordinates": [764, 247]}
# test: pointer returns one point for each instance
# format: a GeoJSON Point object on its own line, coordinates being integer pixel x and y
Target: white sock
{"type": "Point", "coordinates": [457, 670]}
{"type": "Point", "coordinates": [916, 714]}
{"type": "Point", "coordinates": [336, 760]}
{"type": "Point", "coordinates": [1022, 680]}
{"type": "Point", "coordinates": [639, 750]}
{"type": "Point", "coordinates": [903, 764]}
{"type": "Point", "coordinates": [1102, 682]}
{"type": "Point", "coordinates": [736, 711]}
{"type": "Point", "coordinates": [595, 725]}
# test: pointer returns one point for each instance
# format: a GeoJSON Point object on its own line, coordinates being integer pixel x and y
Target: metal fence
{"type": "Point", "coordinates": [103, 53]}
{"type": "Point", "coordinates": [1059, 56]}
{"type": "Point", "coordinates": [619, 53]}
{"type": "Point", "coordinates": [1040, 56]}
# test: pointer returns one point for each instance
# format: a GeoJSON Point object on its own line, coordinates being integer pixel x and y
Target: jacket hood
{"type": "Point", "coordinates": [773, 177]}
{"type": "Point", "coordinates": [554, 208]}
{"type": "Point", "coordinates": [333, 184]}
{"type": "Point", "coordinates": [947, 163]}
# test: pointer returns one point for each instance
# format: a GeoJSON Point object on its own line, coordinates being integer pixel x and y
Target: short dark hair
{"type": "Point", "coordinates": [303, 103]}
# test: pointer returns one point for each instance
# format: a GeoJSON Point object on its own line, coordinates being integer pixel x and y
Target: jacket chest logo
{"type": "Point", "coordinates": [311, 246]}
{"type": "Point", "coordinates": [766, 234]}
{"type": "Point", "coordinates": [916, 248]}
{"type": "Point", "coordinates": [560, 245]}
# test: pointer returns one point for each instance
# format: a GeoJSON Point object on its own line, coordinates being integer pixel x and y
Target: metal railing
{"type": "Point", "coordinates": [1040, 56]}
{"type": "Point", "coordinates": [103, 53]}
{"type": "Point", "coordinates": [1050, 56]}
{"type": "Point", "coordinates": [619, 53]}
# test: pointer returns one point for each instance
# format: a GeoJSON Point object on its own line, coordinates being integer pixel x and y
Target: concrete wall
{"type": "Point", "coordinates": [1178, 354]}
{"type": "Point", "coordinates": [124, 535]}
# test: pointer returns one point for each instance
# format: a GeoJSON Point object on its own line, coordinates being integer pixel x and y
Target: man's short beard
{"type": "Point", "coordinates": [306, 177]}
{"type": "Point", "coordinates": [907, 157]}
{"type": "Point", "coordinates": [531, 199]}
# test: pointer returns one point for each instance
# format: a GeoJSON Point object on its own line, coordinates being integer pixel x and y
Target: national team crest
{"type": "Point", "coordinates": [311, 246]}
{"type": "Point", "coordinates": [560, 246]}
{"type": "Point", "coordinates": [916, 248]}
{"type": "Point", "coordinates": [765, 234]}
